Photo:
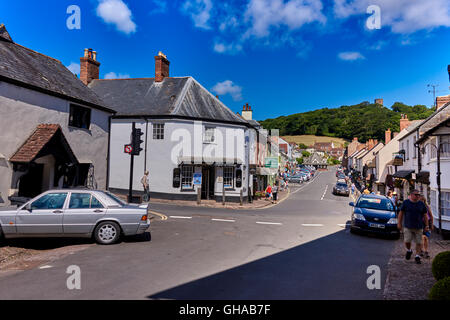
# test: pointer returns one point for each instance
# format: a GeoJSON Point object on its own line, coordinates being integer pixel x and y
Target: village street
{"type": "Point", "coordinates": [298, 249]}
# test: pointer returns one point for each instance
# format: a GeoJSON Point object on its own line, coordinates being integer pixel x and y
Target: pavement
{"type": "Point", "coordinates": [300, 248]}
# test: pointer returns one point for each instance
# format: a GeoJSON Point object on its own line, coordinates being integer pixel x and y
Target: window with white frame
{"type": "Point", "coordinates": [407, 149]}
{"type": "Point", "coordinates": [433, 202]}
{"type": "Point", "coordinates": [210, 135]}
{"type": "Point", "coordinates": [445, 203]}
{"type": "Point", "coordinates": [228, 177]}
{"type": "Point", "coordinates": [158, 131]}
{"type": "Point", "coordinates": [187, 173]}
{"type": "Point", "coordinates": [445, 146]}
{"type": "Point", "coordinates": [432, 147]}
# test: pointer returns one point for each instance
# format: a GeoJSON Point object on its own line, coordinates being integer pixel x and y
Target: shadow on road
{"type": "Point", "coordinates": [331, 267]}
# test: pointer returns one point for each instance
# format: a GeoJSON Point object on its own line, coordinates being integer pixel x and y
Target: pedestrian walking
{"type": "Point", "coordinates": [412, 215]}
{"type": "Point", "coordinates": [275, 193]}
{"type": "Point", "coordinates": [145, 185]}
{"type": "Point", "coordinates": [353, 188]}
{"type": "Point", "coordinates": [427, 233]}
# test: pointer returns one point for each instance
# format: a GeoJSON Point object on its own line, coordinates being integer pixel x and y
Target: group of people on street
{"type": "Point", "coordinates": [272, 191]}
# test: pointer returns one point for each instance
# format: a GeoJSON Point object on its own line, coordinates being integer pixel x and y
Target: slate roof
{"type": "Point", "coordinates": [35, 143]}
{"type": "Point", "coordinates": [28, 68]}
{"type": "Point", "coordinates": [175, 96]}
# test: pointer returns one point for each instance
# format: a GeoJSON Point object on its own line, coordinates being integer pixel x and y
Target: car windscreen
{"type": "Point", "coordinates": [375, 203]}
{"type": "Point", "coordinates": [341, 185]}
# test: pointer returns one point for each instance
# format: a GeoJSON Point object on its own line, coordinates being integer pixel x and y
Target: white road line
{"type": "Point", "coordinates": [180, 217]}
{"type": "Point", "coordinates": [326, 188]}
{"type": "Point", "coordinates": [274, 223]}
{"type": "Point", "coordinates": [223, 220]}
{"type": "Point", "coordinates": [344, 224]}
{"type": "Point", "coordinates": [312, 225]}
{"type": "Point", "coordinates": [45, 267]}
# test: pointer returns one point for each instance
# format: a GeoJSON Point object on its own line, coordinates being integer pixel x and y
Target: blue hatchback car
{"type": "Point", "coordinates": [374, 213]}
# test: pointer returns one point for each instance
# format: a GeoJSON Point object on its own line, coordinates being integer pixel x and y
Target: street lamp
{"type": "Point", "coordinates": [438, 178]}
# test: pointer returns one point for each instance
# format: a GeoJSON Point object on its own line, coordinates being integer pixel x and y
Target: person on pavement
{"type": "Point", "coordinates": [275, 192]}
{"type": "Point", "coordinates": [412, 215]}
{"type": "Point", "coordinates": [145, 185]}
{"type": "Point", "coordinates": [427, 233]}
{"type": "Point", "coordinates": [269, 192]}
{"type": "Point", "coordinates": [353, 188]}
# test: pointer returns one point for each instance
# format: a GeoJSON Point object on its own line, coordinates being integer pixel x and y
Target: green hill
{"type": "Point", "coordinates": [363, 120]}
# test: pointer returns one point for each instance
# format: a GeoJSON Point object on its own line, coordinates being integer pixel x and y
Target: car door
{"type": "Point", "coordinates": [44, 217]}
{"type": "Point", "coordinates": [82, 213]}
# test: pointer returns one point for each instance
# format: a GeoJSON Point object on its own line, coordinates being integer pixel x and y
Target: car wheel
{"type": "Point", "coordinates": [107, 232]}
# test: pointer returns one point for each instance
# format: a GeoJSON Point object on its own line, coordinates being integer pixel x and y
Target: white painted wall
{"type": "Point", "coordinates": [22, 110]}
{"type": "Point", "coordinates": [182, 138]}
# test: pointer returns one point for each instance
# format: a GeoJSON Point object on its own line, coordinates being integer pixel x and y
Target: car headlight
{"type": "Point", "coordinates": [359, 216]}
{"type": "Point", "coordinates": [392, 221]}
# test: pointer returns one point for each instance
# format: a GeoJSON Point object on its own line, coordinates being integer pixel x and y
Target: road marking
{"type": "Point", "coordinates": [312, 225]}
{"type": "Point", "coordinates": [344, 224]}
{"type": "Point", "coordinates": [45, 267]}
{"type": "Point", "coordinates": [162, 216]}
{"type": "Point", "coordinates": [223, 220]}
{"type": "Point", "coordinates": [180, 217]}
{"type": "Point", "coordinates": [326, 188]}
{"type": "Point", "coordinates": [306, 184]}
{"type": "Point", "coordinates": [274, 223]}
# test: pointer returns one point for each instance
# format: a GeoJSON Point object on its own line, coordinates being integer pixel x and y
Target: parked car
{"type": "Point", "coordinates": [75, 213]}
{"type": "Point", "coordinates": [341, 188]}
{"type": "Point", "coordinates": [296, 178]}
{"type": "Point", "coordinates": [374, 213]}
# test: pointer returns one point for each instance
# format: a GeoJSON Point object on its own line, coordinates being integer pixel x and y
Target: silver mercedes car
{"type": "Point", "coordinates": [75, 213]}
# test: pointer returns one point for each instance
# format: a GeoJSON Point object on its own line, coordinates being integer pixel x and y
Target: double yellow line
{"type": "Point", "coordinates": [162, 216]}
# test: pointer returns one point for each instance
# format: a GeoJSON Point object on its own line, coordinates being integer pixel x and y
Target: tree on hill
{"type": "Point", "coordinates": [364, 120]}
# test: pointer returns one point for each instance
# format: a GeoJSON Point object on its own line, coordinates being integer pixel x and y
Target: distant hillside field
{"type": "Point", "coordinates": [309, 140]}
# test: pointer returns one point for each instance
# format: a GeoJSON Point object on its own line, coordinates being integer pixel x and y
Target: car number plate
{"type": "Point", "coordinates": [376, 225]}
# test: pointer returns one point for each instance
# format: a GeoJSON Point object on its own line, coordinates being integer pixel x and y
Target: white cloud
{"type": "Point", "coordinates": [116, 12]}
{"type": "Point", "coordinates": [228, 87]}
{"type": "Point", "coordinates": [266, 14]}
{"type": "Point", "coordinates": [200, 12]}
{"type": "Point", "coordinates": [351, 56]}
{"type": "Point", "coordinates": [230, 48]}
{"type": "Point", "coordinates": [402, 16]}
{"type": "Point", "coordinates": [113, 75]}
{"type": "Point", "coordinates": [74, 68]}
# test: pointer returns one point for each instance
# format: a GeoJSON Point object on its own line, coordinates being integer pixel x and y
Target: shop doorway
{"type": "Point", "coordinates": [208, 179]}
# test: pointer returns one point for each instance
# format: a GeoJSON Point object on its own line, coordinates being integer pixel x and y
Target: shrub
{"type": "Point", "coordinates": [440, 290]}
{"type": "Point", "coordinates": [441, 265]}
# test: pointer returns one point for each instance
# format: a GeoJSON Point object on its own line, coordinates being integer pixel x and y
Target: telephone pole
{"type": "Point", "coordinates": [434, 92]}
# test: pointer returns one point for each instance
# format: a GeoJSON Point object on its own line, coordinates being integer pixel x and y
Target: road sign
{"type": "Point", "coordinates": [128, 148]}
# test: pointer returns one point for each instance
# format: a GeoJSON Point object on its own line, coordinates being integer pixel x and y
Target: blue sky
{"type": "Point", "coordinates": [280, 56]}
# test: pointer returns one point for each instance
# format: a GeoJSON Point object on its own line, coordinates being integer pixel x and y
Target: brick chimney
{"type": "Point", "coordinates": [161, 67]}
{"type": "Point", "coordinates": [387, 136]}
{"type": "Point", "coordinates": [440, 101]}
{"type": "Point", "coordinates": [247, 112]}
{"type": "Point", "coordinates": [89, 66]}
{"type": "Point", "coordinates": [404, 122]}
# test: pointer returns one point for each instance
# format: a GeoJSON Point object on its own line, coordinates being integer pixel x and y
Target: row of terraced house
{"type": "Point", "coordinates": [58, 131]}
{"type": "Point", "coordinates": [417, 157]}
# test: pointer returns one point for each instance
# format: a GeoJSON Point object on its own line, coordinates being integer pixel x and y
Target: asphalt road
{"type": "Point", "coordinates": [299, 249]}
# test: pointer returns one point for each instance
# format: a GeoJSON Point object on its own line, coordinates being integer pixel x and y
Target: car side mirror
{"type": "Point", "coordinates": [28, 207]}
{"type": "Point", "coordinates": [351, 204]}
